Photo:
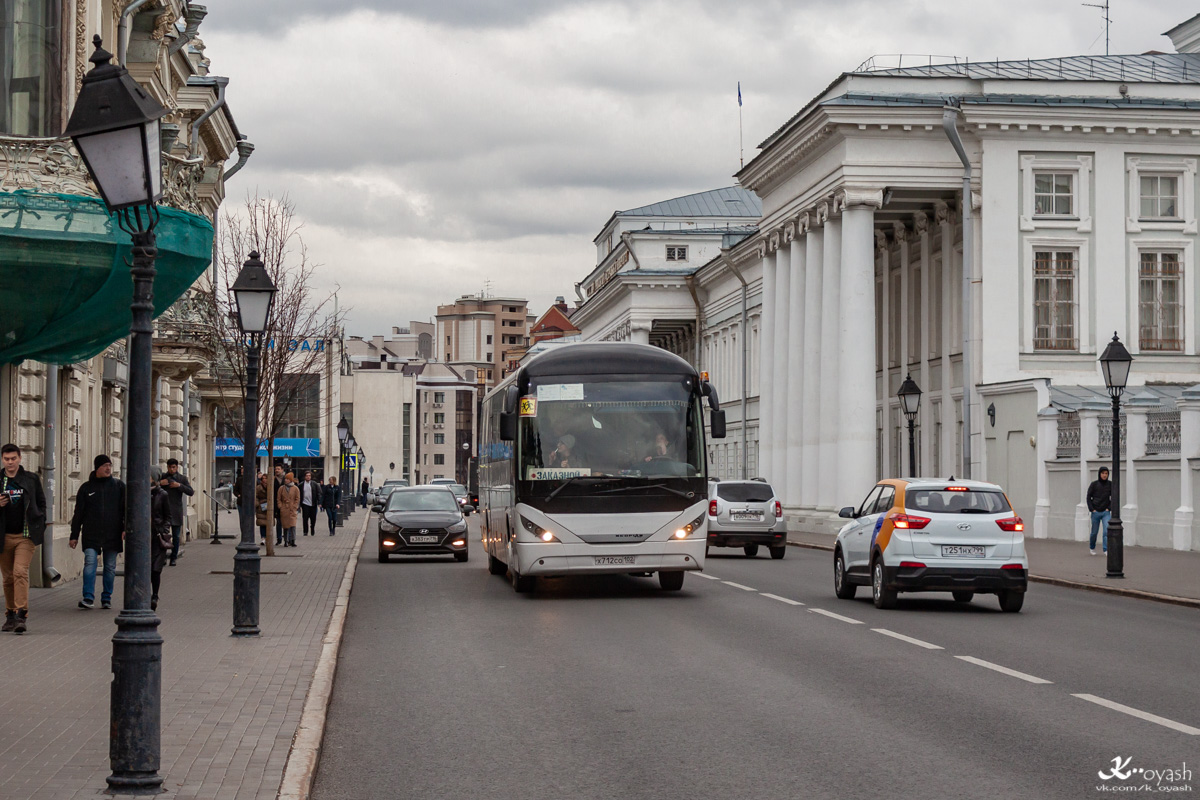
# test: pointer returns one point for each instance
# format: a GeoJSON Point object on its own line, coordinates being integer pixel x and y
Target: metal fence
{"type": "Point", "coordinates": [1068, 435]}
{"type": "Point", "coordinates": [1162, 433]}
{"type": "Point", "coordinates": [1105, 438]}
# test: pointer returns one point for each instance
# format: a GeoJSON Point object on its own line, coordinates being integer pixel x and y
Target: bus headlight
{"type": "Point", "coordinates": [538, 531]}
{"type": "Point", "coordinates": [458, 527]}
{"type": "Point", "coordinates": [690, 528]}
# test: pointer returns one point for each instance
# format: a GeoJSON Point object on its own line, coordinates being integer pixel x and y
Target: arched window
{"type": "Point", "coordinates": [31, 67]}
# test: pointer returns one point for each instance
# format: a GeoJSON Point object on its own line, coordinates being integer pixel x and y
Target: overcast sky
{"type": "Point", "coordinates": [435, 146]}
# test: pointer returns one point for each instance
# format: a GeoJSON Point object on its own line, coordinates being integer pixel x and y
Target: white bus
{"type": "Point", "coordinates": [592, 460]}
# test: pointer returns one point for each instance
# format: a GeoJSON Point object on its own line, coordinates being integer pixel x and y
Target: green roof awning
{"type": "Point", "coordinates": [65, 285]}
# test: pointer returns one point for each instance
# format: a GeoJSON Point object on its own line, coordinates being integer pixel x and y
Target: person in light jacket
{"type": "Point", "coordinates": [289, 508]}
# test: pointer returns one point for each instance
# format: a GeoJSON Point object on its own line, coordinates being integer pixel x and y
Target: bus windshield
{"type": "Point", "coordinates": [616, 429]}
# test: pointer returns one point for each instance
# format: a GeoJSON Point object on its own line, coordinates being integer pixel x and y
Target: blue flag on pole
{"type": "Point", "coordinates": [739, 94]}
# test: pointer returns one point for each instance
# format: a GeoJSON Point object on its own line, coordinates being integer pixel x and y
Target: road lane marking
{"type": "Point", "coordinates": [1133, 712]}
{"type": "Point", "coordinates": [739, 586]}
{"type": "Point", "coordinates": [908, 639]}
{"type": "Point", "coordinates": [706, 577]}
{"type": "Point", "coordinates": [1012, 672]}
{"type": "Point", "coordinates": [835, 616]}
{"type": "Point", "coordinates": [781, 599]}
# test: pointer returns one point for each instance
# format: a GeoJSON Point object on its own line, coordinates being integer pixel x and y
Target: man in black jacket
{"type": "Point", "coordinates": [177, 485]}
{"type": "Point", "coordinates": [23, 517]}
{"type": "Point", "coordinates": [310, 501]}
{"type": "Point", "coordinates": [100, 517]}
{"type": "Point", "coordinates": [1099, 503]}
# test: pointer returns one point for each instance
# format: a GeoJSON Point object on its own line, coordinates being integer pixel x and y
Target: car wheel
{"type": "Point", "coordinates": [842, 588]}
{"type": "Point", "coordinates": [883, 597]}
{"type": "Point", "coordinates": [460, 557]}
{"type": "Point", "coordinates": [671, 580]}
{"type": "Point", "coordinates": [751, 550]}
{"type": "Point", "coordinates": [963, 597]}
{"type": "Point", "coordinates": [495, 565]}
{"type": "Point", "coordinates": [1011, 601]}
{"type": "Point", "coordinates": [383, 557]}
{"type": "Point", "coordinates": [520, 583]}
{"type": "Point", "coordinates": [778, 552]}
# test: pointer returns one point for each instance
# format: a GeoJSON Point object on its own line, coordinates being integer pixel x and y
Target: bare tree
{"type": "Point", "coordinates": [298, 343]}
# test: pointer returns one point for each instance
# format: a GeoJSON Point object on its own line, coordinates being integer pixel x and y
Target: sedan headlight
{"type": "Point", "coordinates": [387, 527]}
{"type": "Point", "coordinates": [458, 527]}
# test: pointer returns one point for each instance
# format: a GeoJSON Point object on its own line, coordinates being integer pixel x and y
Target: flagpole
{"type": "Point", "coordinates": [741, 146]}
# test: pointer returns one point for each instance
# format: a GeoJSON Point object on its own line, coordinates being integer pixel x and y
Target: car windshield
{"type": "Point", "coordinates": [629, 429]}
{"type": "Point", "coordinates": [745, 492]}
{"type": "Point", "coordinates": [458, 489]}
{"type": "Point", "coordinates": [431, 500]}
{"type": "Point", "coordinates": [942, 501]}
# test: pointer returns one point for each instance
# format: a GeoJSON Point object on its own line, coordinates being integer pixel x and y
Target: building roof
{"type": "Point", "coordinates": [1071, 398]}
{"type": "Point", "coordinates": [732, 201]}
{"type": "Point", "coordinates": [1147, 68]}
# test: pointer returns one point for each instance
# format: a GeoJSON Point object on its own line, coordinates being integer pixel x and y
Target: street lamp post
{"type": "Point", "coordinates": [343, 432]}
{"type": "Point", "coordinates": [254, 293]}
{"type": "Point", "coordinates": [351, 449]}
{"type": "Point", "coordinates": [1115, 362]}
{"type": "Point", "coordinates": [910, 403]}
{"type": "Point", "coordinates": [114, 126]}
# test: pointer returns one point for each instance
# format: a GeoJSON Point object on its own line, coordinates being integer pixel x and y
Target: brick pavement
{"type": "Point", "coordinates": [230, 706]}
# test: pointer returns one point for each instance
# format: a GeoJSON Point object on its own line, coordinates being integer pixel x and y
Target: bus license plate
{"type": "Point", "coordinates": [964, 550]}
{"type": "Point", "coordinates": [422, 539]}
{"type": "Point", "coordinates": [605, 561]}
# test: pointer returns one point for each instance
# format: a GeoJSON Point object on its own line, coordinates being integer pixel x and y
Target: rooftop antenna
{"type": "Point", "coordinates": [1107, 20]}
{"type": "Point", "coordinates": [741, 148]}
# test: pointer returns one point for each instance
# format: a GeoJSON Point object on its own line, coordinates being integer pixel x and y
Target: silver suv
{"type": "Point", "coordinates": [746, 514]}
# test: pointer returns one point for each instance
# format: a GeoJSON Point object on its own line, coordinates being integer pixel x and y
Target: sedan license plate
{"type": "Point", "coordinates": [422, 540]}
{"type": "Point", "coordinates": [964, 550]}
{"type": "Point", "coordinates": [605, 561]}
{"type": "Point", "coordinates": [746, 516]}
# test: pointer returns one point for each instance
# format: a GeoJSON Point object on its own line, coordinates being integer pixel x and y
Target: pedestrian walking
{"type": "Point", "coordinates": [278, 520]}
{"type": "Point", "coordinates": [330, 499]}
{"type": "Point", "coordinates": [23, 515]}
{"type": "Point", "coordinates": [160, 538]}
{"type": "Point", "coordinates": [260, 505]}
{"type": "Point", "coordinates": [289, 508]}
{"type": "Point", "coordinates": [1099, 503]}
{"type": "Point", "coordinates": [362, 495]}
{"type": "Point", "coordinates": [310, 501]}
{"type": "Point", "coordinates": [177, 486]}
{"type": "Point", "coordinates": [100, 518]}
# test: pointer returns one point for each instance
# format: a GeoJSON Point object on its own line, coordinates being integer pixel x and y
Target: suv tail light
{"type": "Point", "coordinates": [778, 509]}
{"type": "Point", "coordinates": [712, 508]}
{"type": "Point", "coordinates": [1011, 524]}
{"type": "Point", "coordinates": [910, 522]}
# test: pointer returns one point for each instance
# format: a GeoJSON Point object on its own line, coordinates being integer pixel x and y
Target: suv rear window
{"type": "Point", "coordinates": [940, 501]}
{"type": "Point", "coordinates": [745, 492]}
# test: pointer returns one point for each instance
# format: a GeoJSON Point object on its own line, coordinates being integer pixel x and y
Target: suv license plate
{"type": "Point", "coordinates": [422, 539]}
{"type": "Point", "coordinates": [964, 550]}
{"type": "Point", "coordinates": [746, 516]}
{"type": "Point", "coordinates": [604, 561]}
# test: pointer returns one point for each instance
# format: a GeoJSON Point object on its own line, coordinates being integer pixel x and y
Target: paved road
{"type": "Point", "coordinates": [451, 685]}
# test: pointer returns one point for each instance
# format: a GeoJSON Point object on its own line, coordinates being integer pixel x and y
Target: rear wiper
{"type": "Point", "coordinates": [975, 511]}
{"type": "Point", "coordinates": [688, 495]}
{"type": "Point", "coordinates": [574, 478]}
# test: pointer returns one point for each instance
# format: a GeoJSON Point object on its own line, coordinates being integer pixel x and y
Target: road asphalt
{"type": "Point", "coordinates": [753, 681]}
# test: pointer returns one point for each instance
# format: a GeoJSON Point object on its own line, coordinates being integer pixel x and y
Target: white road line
{"type": "Point", "coordinates": [781, 599]}
{"type": "Point", "coordinates": [1005, 670]}
{"type": "Point", "coordinates": [835, 616]}
{"type": "Point", "coordinates": [908, 639]}
{"type": "Point", "coordinates": [706, 577]}
{"type": "Point", "coordinates": [1133, 712]}
{"type": "Point", "coordinates": [739, 586]}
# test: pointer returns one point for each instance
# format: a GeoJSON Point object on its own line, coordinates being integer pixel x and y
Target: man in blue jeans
{"type": "Point", "coordinates": [177, 486]}
{"type": "Point", "coordinates": [100, 517]}
{"type": "Point", "coordinates": [1099, 503]}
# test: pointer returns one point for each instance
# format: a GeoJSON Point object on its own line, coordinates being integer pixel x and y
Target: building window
{"type": "Point", "coordinates": [439, 418]}
{"type": "Point", "coordinates": [1159, 197]}
{"type": "Point", "coordinates": [676, 253]}
{"type": "Point", "coordinates": [439, 459]}
{"type": "Point", "coordinates": [439, 438]}
{"type": "Point", "coordinates": [489, 374]}
{"type": "Point", "coordinates": [447, 340]}
{"type": "Point", "coordinates": [439, 397]}
{"type": "Point", "coordinates": [425, 438]}
{"type": "Point", "coordinates": [1054, 278]}
{"type": "Point", "coordinates": [1053, 194]}
{"type": "Point", "coordinates": [405, 466]}
{"type": "Point", "coordinates": [426, 421]}
{"type": "Point", "coordinates": [1160, 306]}
{"type": "Point", "coordinates": [447, 356]}
{"type": "Point", "coordinates": [489, 357]}
{"type": "Point", "coordinates": [31, 36]}
{"type": "Point", "coordinates": [489, 339]}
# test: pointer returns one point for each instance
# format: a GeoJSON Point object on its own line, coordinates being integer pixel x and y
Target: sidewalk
{"type": "Point", "coordinates": [1168, 575]}
{"type": "Point", "coordinates": [230, 707]}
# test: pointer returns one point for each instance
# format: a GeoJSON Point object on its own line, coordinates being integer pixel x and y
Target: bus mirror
{"type": "Point", "coordinates": [508, 427]}
{"type": "Point", "coordinates": [511, 395]}
{"type": "Point", "coordinates": [717, 424]}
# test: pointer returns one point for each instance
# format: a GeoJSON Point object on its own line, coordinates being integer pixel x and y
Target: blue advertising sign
{"type": "Point", "coordinates": [295, 448]}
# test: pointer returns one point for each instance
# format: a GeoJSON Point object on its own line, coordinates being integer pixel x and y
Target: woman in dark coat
{"type": "Point", "coordinates": [160, 537]}
{"type": "Point", "coordinates": [260, 504]}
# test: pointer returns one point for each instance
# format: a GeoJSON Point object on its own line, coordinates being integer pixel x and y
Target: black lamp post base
{"type": "Point", "coordinates": [134, 784]}
{"type": "Point", "coordinates": [1116, 550]}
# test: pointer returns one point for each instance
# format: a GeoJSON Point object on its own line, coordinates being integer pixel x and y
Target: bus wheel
{"type": "Point", "coordinates": [671, 581]}
{"type": "Point", "coordinates": [495, 565]}
{"type": "Point", "coordinates": [520, 583]}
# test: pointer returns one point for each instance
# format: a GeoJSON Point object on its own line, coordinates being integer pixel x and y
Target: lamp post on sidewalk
{"type": "Point", "coordinates": [254, 293]}
{"type": "Point", "coordinates": [910, 403]}
{"type": "Point", "coordinates": [115, 128]}
{"type": "Point", "coordinates": [343, 431]}
{"type": "Point", "coordinates": [1115, 362]}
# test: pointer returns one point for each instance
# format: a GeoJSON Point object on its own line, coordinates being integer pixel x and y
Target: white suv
{"type": "Point", "coordinates": [932, 535]}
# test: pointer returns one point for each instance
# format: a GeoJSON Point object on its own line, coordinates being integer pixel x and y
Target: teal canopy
{"type": "Point", "coordinates": [65, 285]}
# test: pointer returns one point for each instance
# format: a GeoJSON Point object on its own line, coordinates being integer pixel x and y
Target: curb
{"type": "Point", "coordinates": [1091, 587]}
{"type": "Point", "coordinates": [302, 760]}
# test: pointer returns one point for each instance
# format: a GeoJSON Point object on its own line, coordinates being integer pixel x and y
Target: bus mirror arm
{"type": "Point", "coordinates": [717, 415]}
{"type": "Point", "coordinates": [508, 427]}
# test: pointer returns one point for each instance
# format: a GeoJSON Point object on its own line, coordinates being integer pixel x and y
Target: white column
{"type": "Point", "coordinates": [949, 457]}
{"type": "Point", "coordinates": [779, 395]}
{"type": "Point", "coordinates": [1189, 448]}
{"type": "Point", "coordinates": [639, 332]}
{"type": "Point", "coordinates": [795, 375]}
{"type": "Point", "coordinates": [885, 328]}
{"type": "Point", "coordinates": [827, 454]}
{"type": "Point", "coordinates": [1089, 451]}
{"type": "Point", "coordinates": [856, 341]}
{"type": "Point", "coordinates": [766, 370]}
{"type": "Point", "coordinates": [1047, 450]}
{"type": "Point", "coordinates": [814, 260]}
{"type": "Point", "coordinates": [925, 455]}
{"type": "Point", "coordinates": [1136, 408]}
{"type": "Point", "coordinates": [905, 309]}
